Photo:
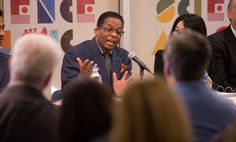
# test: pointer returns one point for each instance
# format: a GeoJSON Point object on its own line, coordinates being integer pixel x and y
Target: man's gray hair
{"type": "Point", "coordinates": [34, 57]}
{"type": "Point", "coordinates": [187, 55]}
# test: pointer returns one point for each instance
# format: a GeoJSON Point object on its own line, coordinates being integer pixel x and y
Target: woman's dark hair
{"type": "Point", "coordinates": [85, 111]}
{"type": "Point", "coordinates": [1, 13]}
{"type": "Point", "coordinates": [191, 21]}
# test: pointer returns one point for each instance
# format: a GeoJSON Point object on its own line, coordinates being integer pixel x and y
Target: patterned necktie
{"type": "Point", "coordinates": [108, 63]}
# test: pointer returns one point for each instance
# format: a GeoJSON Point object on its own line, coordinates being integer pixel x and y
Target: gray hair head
{"type": "Point", "coordinates": [187, 55]}
{"type": "Point", "coordinates": [34, 57]}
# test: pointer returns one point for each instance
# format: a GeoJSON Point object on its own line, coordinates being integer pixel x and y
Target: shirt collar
{"type": "Point", "coordinates": [233, 30]}
{"type": "Point", "coordinates": [190, 84]}
{"type": "Point", "coordinates": [102, 50]}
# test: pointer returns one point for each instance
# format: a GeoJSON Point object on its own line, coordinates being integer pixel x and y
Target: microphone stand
{"type": "Point", "coordinates": [141, 73]}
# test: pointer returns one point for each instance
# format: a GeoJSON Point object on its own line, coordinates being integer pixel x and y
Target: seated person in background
{"type": "Point", "coordinates": [85, 112]}
{"type": "Point", "coordinates": [4, 72]}
{"type": "Point", "coordinates": [190, 21]}
{"type": "Point", "coordinates": [26, 115]}
{"type": "Point", "coordinates": [150, 112]}
{"type": "Point", "coordinates": [224, 52]}
{"type": "Point", "coordinates": [102, 49]}
{"type": "Point", "coordinates": [183, 70]}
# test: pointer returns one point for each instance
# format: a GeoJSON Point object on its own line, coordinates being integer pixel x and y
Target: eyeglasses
{"type": "Point", "coordinates": [110, 30]}
{"type": "Point", "coordinates": [2, 27]}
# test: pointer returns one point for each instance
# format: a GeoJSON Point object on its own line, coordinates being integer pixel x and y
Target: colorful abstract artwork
{"type": "Point", "coordinates": [215, 10]}
{"type": "Point", "coordinates": [20, 11]}
{"type": "Point", "coordinates": [46, 11]}
{"type": "Point", "coordinates": [65, 10]}
{"type": "Point", "coordinates": [165, 10]}
{"type": "Point", "coordinates": [85, 11]}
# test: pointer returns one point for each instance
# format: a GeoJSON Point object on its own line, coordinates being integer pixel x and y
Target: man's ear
{"type": "Point", "coordinates": [229, 13]}
{"type": "Point", "coordinates": [166, 70]}
{"type": "Point", "coordinates": [170, 79]}
{"type": "Point", "coordinates": [96, 31]}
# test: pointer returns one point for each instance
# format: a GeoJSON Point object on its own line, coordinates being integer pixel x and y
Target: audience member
{"type": "Point", "coordinates": [190, 21]}
{"type": "Point", "coordinates": [186, 58]}
{"type": "Point", "coordinates": [224, 57]}
{"type": "Point", "coordinates": [4, 71]}
{"type": "Point", "coordinates": [226, 135]}
{"type": "Point", "coordinates": [150, 112]}
{"type": "Point", "coordinates": [102, 49]}
{"type": "Point", "coordinates": [85, 112]}
{"type": "Point", "coordinates": [26, 115]}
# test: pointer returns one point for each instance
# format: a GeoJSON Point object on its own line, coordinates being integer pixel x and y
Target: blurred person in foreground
{"type": "Point", "coordinates": [4, 70]}
{"type": "Point", "coordinates": [150, 112]}
{"type": "Point", "coordinates": [226, 135]}
{"type": "Point", "coordinates": [186, 58]}
{"type": "Point", "coordinates": [26, 115]}
{"type": "Point", "coordinates": [85, 112]}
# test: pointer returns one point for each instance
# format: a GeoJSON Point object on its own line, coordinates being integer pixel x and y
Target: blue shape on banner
{"type": "Point", "coordinates": [46, 11]}
{"type": "Point", "coordinates": [54, 34]}
{"type": "Point", "coordinates": [50, 5]}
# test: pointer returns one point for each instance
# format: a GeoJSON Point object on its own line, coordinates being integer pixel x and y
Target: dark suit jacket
{"type": "Point", "coordinates": [209, 112]}
{"type": "Point", "coordinates": [224, 57]}
{"type": "Point", "coordinates": [4, 71]}
{"type": "Point", "coordinates": [158, 63]}
{"type": "Point", "coordinates": [26, 116]}
{"type": "Point", "coordinates": [90, 50]}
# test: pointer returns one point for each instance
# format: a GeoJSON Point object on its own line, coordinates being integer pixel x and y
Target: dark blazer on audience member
{"type": "Point", "coordinates": [89, 50]}
{"type": "Point", "coordinates": [4, 71]}
{"type": "Point", "coordinates": [26, 116]}
{"type": "Point", "coordinates": [224, 57]}
{"type": "Point", "coordinates": [209, 112]}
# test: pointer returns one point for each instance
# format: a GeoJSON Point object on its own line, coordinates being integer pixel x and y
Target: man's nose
{"type": "Point", "coordinates": [114, 33]}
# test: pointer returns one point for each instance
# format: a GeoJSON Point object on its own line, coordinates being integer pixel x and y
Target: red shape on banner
{"type": "Point", "coordinates": [19, 12]}
{"type": "Point", "coordinates": [24, 9]}
{"type": "Point", "coordinates": [211, 5]}
{"type": "Point", "coordinates": [85, 11]}
{"type": "Point", "coordinates": [89, 8]}
{"type": "Point", "coordinates": [214, 9]}
{"type": "Point", "coordinates": [219, 7]}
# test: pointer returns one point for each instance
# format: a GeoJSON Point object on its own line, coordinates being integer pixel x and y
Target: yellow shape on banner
{"type": "Point", "coordinates": [167, 15]}
{"type": "Point", "coordinates": [7, 40]}
{"type": "Point", "coordinates": [160, 44]}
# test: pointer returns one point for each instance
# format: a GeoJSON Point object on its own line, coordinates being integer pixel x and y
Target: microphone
{"type": "Point", "coordinates": [133, 56]}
